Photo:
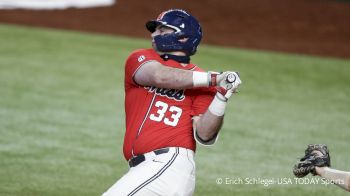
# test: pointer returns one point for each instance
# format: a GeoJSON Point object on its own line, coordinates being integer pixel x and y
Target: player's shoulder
{"type": "Point", "coordinates": [143, 51]}
{"type": "Point", "coordinates": [140, 55]}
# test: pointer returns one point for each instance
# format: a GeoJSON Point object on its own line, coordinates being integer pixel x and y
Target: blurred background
{"type": "Point", "coordinates": [318, 27]}
{"type": "Point", "coordinates": [62, 118]}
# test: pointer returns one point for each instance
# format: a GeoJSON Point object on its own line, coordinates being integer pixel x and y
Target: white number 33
{"type": "Point", "coordinates": [162, 109]}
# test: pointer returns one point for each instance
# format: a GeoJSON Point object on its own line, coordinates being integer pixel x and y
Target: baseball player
{"type": "Point", "coordinates": [317, 161]}
{"type": "Point", "coordinates": [169, 103]}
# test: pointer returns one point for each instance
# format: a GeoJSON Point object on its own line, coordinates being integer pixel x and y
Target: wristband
{"type": "Point", "coordinates": [217, 106]}
{"type": "Point", "coordinates": [212, 78]}
{"type": "Point", "coordinates": [200, 79]}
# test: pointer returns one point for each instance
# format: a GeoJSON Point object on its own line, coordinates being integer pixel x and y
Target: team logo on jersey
{"type": "Point", "coordinates": [141, 58]}
{"type": "Point", "coordinates": [178, 95]}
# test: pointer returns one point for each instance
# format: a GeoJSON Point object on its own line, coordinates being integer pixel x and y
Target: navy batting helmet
{"type": "Point", "coordinates": [185, 26]}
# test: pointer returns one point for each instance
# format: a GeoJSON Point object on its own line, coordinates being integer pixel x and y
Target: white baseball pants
{"type": "Point", "coordinates": [168, 174]}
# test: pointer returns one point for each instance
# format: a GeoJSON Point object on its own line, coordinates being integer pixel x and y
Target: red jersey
{"type": "Point", "coordinates": [159, 117]}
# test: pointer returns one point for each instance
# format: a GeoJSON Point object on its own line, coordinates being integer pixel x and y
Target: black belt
{"type": "Point", "coordinates": [140, 158]}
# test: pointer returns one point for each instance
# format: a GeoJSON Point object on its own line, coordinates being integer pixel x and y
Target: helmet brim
{"type": "Point", "coordinates": [152, 25]}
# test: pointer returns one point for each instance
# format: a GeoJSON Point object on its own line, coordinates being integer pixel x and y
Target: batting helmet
{"type": "Point", "coordinates": [185, 26]}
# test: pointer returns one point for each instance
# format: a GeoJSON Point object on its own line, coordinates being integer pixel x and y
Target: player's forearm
{"type": "Point", "coordinates": [208, 125]}
{"type": "Point", "coordinates": [173, 78]}
{"type": "Point", "coordinates": [158, 75]}
{"type": "Point", "coordinates": [341, 178]}
{"type": "Point", "coordinates": [155, 74]}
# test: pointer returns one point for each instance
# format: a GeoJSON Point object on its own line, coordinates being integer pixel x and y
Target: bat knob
{"type": "Point", "coordinates": [230, 78]}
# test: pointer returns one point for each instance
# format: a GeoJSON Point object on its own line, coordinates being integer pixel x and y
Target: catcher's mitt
{"type": "Point", "coordinates": [315, 155]}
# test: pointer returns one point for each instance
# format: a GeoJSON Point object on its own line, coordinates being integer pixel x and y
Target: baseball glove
{"type": "Point", "coordinates": [315, 155]}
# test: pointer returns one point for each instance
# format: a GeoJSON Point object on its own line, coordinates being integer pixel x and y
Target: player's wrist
{"type": "Point", "coordinates": [218, 105]}
{"type": "Point", "coordinates": [220, 94]}
{"type": "Point", "coordinates": [204, 79]}
{"type": "Point", "coordinates": [212, 78]}
{"type": "Point", "coordinates": [200, 79]}
{"type": "Point", "coordinates": [320, 170]}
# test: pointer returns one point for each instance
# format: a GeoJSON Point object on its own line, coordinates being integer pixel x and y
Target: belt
{"type": "Point", "coordinates": [140, 158]}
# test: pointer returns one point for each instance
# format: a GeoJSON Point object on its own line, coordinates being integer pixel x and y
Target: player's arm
{"type": "Point", "coordinates": [341, 178]}
{"type": "Point", "coordinates": [317, 161]}
{"type": "Point", "coordinates": [207, 126]}
{"type": "Point", "coordinates": [153, 73]}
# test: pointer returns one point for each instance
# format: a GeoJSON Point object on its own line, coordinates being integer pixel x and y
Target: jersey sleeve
{"type": "Point", "coordinates": [210, 142]}
{"type": "Point", "coordinates": [202, 101]}
{"type": "Point", "coordinates": [135, 61]}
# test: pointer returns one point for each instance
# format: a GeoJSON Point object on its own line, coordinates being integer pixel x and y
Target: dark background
{"type": "Point", "coordinates": [317, 27]}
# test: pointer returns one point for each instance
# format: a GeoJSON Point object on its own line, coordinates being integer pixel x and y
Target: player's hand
{"type": "Point", "coordinates": [227, 84]}
{"type": "Point", "coordinates": [316, 155]}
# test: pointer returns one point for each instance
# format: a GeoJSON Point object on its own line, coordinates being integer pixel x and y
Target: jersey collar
{"type": "Point", "coordinates": [179, 59]}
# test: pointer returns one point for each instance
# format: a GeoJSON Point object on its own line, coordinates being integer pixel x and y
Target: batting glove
{"type": "Point", "coordinates": [227, 83]}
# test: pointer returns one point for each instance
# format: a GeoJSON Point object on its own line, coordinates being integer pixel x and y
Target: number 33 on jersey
{"type": "Point", "coordinates": [162, 109]}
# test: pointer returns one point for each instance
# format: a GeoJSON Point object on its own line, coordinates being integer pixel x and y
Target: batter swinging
{"type": "Point", "coordinates": [170, 104]}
